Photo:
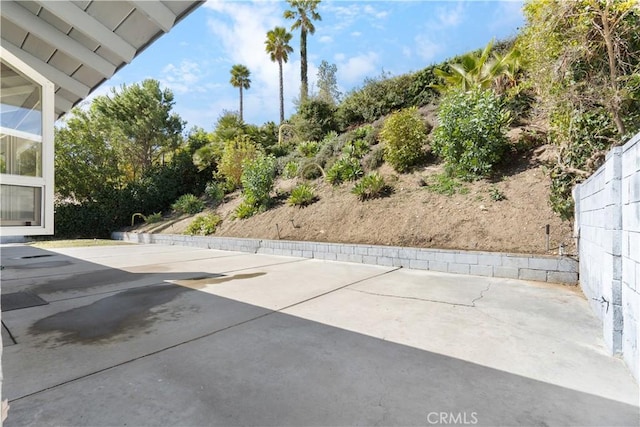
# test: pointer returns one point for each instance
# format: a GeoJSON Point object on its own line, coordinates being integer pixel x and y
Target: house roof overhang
{"type": "Point", "coordinates": [79, 44]}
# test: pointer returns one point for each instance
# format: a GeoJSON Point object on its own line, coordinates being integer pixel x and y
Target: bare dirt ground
{"type": "Point", "coordinates": [413, 215]}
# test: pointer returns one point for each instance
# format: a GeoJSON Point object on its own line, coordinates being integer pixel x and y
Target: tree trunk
{"type": "Point", "coordinates": [613, 71]}
{"type": "Point", "coordinates": [281, 93]}
{"type": "Point", "coordinates": [304, 86]}
{"type": "Point", "coordinates": [241, 103]}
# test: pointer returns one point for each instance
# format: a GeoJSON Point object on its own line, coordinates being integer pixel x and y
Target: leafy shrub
{"type": "Point", "coordinates": [404, 134]}
{"type": "Point", "coordinates": [374, 159]}
{"type": "Point", "coordinates": [379, 96]}
{"type": "Point", "coordinates": [308, 148]}
{"type": "Point", "coordinates": [153, 218]}
{"type": "Point", "coordinates": [290, 170]}
{"type": "Point", "coordinates": [302, 195]}
{"type": "Point", "coordinates": [345, 169]}
{"type": "Point", "coordinates": [247, 208]}
{"type": "Point", "coordinates": [188, 204]}
{"type": "Point", "coordinates": [309, 169]}
{"type": "Point", "coordinates": [471, 136]}
{"type": "Point", "coordinates": [236, 152]}
{"type": "Point", "coordinates": [329, 148]}
{"type": "Point", "coordinates": [257, 179]}
{"type": "Point", "coordinates": [371, 186]}
{"type": "Point", "coordinates": [585, 137]}
{"type": "Point", "coordinates": [356, 148]}
{"type": "Point", "coordinates": [204, 225]}
{"type": "Point", "coordinates": [315, 118]}
{"type": "Point", "coordinates": [214, 191]}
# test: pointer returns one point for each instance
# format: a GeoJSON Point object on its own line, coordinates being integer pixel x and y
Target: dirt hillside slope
{"type": "Point", "coordinates": [414, 215]}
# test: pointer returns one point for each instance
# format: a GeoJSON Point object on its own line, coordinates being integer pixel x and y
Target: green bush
{"type": "Point", "coordinates": [404, 134]}
{"type": "Point", "coordinates": [236, 152]}
{"type": "Point", "coordinates": [315, 118]}
{"type": "Point", "coordinates": [356, 148]}
{"type": "Point", "coordinates": [188, 204]}
{"type": "Point", "coordinates": [471, 136]}
{"type": "Point", "coordinates": [302, 195]}
{"type": "Point", "coordinates": [290, 170]}
{"type": "Point", "coordinates": [153, 218]}
{"type": "Point", "coordinates": [308, 148]}
{"type": "Point", "coordinates": [345, 169]}
{"type": "Point", "coordinates": [329, 148]}
{"type": "Point", "coordinates": [214, 191]}
{"type": "Point", "coordinates": [379, 96]}
{"type": "Point", "coordinates": [371, 186]}
{"type": "Point", "coordinates": [374, 159]}
{"type": "Point", "coordinates": [257, 179]}
{"type": "Point", "coordinates": [310, 169]}
{"type": "Point", "coordinates": [247, 208]}
{"type": "Point", "coordinates": [204, 225]}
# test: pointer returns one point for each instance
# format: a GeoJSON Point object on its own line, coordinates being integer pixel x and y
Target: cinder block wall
{"type": "Point", "coordinates": [607, 221]}
{"type": "Point", "coordinates": [554, 269]}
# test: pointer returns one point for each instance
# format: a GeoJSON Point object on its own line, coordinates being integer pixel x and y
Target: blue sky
{"type": "Point", "coordinates": [361, 38]}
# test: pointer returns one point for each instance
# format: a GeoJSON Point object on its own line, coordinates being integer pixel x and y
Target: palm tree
{"type": "Point", "coordinates": [240, 79]}
{"type": "Point", "coordinates": [303, 11]}
{"type": "Point", "coordinates": [277, 46]}
{"type": "Point", "coordinates": [482, 71]}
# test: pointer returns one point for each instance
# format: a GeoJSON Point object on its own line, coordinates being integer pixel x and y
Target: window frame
{"type": "Point", "coordinates": [46, 182]}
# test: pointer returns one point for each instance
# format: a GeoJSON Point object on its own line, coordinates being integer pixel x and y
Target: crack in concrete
{"type": "Point", "coordinates": [472, 305]}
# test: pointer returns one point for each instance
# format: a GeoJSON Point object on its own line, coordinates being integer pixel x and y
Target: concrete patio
{"type": "Point", "coordinates": [169, 335]}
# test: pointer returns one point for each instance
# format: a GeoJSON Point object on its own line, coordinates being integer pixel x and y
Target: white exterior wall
{"type": "Point", "coordinates": [608, 224]}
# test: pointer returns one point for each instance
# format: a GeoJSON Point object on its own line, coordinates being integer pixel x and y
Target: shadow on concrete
{"type": "Point", "coordinates": [223, 362]}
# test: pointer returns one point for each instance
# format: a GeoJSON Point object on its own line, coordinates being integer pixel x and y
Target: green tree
{"type": "Point", "coordinates": [240, 79]}
{"type": "Point", "coordinates": [583, 63]}
{"type": "Point", "coordinates": [278, 48]}
{"type": "Point", "coordinates": [143, 126]}
{"type": "Point", "coordinates": [303, 12]}
{"type": "Point", "coordinates": [327, 83]}
{"type": "Point", "coordinates": [85, 162]}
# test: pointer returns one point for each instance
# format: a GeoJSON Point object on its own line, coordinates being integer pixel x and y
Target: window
{"type": "Point", "coordinates": [26, 149]}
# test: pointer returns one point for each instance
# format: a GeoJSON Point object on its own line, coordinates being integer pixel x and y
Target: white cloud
{"type": "Point", "coordinates": [241, 29]}
{"type": "Point", "coordinates": [325, 39]}
{"type": "Point", "coordinates": [182, 78]}
{"type": "Point", "coordinates": [356, 68]}
{"type": "Point", "coordinates": [371, 11]}
{"type": "Point", "coordinates": [426, 48]}
{"type": "Point", "coordinates": [339, 57]}
{"type": "Point", "coordinates": [451, 17]}
{"type": "Point", "coordinates": [356, 34]}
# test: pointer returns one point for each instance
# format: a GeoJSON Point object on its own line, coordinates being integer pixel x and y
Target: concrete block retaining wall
{"type": "Point", "coordinates": [526, 267]}
{"type": "Point", "coordinates": [607, 221]}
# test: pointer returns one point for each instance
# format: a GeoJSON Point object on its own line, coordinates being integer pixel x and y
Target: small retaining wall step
{"type": "Point", "coordinates": [559, 269]}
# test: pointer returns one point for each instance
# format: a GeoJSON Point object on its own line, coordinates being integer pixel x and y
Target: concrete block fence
{"type": "Point", "coordinates": [491, 264]}
{"type": "Point", "coordinates": [607, 221]}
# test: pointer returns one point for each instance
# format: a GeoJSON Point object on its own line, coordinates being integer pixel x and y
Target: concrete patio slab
{"type": "Point", "coordinates": [159, 335]}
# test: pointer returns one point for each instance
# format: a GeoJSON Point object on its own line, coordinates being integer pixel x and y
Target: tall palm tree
{"type": "Point", "coordinates": [303, 12]}
{"type": "Point", "coordinates": [240, 79]}
{"type": "Point", "coordinates": [277, 46]}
